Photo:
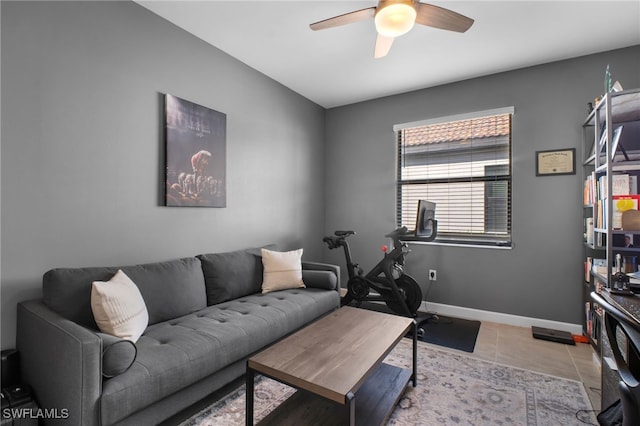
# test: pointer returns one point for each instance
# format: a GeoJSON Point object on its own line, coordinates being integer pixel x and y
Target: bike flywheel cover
{"type": "Point", "coordinates": [358, 288]}
{"type": "Point", "coordinates": [412, 295]}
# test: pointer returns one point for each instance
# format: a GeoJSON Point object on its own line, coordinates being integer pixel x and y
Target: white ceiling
{"type": "Point", "coordinates": [335, 67]}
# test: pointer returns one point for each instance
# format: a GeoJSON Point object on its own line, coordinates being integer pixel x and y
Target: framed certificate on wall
{"type": "Point", "coordinates": [556, 162]}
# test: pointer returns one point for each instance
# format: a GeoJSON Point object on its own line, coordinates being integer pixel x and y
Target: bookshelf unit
{"type": "Point", "coordinates": [611, 167]}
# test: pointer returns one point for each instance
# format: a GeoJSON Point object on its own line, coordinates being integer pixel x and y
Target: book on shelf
{"type": "Point", "coordinates": [587, 269]}
{"type": "Point", "coordinates": [602, 188]}
{"type": "Point", "coordinates": [621, 184]}
{"type": "Point", "coordinates": [586, 192]}
{"type": "Point", "coordinates": [601, 214]}
{"type": "Point", "coordinates": [592, 321]}
{"type": "Point", "coordinates": [588, 223]}
{"type": "Point", "coordinates": [599, 266]}
{"type": "Point", "coordinates": [589, 191]}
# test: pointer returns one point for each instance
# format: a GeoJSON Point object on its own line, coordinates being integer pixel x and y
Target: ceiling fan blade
{"type": "Point", "coordinates": [445, 19]}
{"type": "Point", "coordinates": [383, 45]}
{"type": "Point", "coordinates": [347, 18]}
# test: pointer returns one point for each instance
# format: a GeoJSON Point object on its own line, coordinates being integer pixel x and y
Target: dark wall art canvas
{"type": "Point", "coordinates": [196, 154]}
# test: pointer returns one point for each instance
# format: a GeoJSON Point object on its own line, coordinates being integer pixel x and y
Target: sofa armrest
{"type": "Point", "coordinates": [61, 361]}
{"type": "Point", "coordinates": [317, 266]}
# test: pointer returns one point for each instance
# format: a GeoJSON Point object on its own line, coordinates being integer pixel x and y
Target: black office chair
{"type": "Point", "coordinates": [629, 368]}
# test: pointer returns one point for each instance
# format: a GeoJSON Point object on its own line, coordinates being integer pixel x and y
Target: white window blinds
{"type": "Point", "coordinates": [463, 164]}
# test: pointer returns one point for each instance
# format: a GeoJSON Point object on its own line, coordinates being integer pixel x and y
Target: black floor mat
{"type": "Point", "coordinates": [450, 332]}
{"type": "Point", "coordinates": [455, 333]}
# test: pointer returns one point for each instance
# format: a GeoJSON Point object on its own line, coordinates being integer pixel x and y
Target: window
{"type": "Point", "coordinates": [463, 164]}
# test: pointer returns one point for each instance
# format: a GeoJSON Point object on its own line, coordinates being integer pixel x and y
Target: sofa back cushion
{"type": "Point", "coordinates": [233, 274]}
{"type": "Point", "coordinates": [170, 289]}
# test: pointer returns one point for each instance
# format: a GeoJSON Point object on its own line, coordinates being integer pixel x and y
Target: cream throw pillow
{"type": "Point", "coordinates": [282, 270]}
{"type": "Point", "coordinates": [118, 307]}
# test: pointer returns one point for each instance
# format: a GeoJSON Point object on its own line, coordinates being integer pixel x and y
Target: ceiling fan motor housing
{"type": "Point", "coordinates": [394, 18]}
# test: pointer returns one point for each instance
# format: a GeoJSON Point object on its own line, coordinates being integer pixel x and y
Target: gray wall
{"type": "Point", "coordinates": [82, 160]}
{"type": "Point", "coordinates": [541, 276]}
{"type": "Point", "coordinates": [82, 157]}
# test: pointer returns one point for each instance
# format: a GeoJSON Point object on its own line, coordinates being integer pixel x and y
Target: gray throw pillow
{"type": "Point", "coordinates": [233, 274]}
{"type": "Point", "coordinates": [325, 280]}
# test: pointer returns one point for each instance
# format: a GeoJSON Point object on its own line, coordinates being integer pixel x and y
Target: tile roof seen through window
{"type": "Point", "coordinates": [476, 128]}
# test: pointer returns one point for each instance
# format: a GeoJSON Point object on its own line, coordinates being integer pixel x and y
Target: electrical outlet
{"type": "Point", "coordinates": [433, 274]}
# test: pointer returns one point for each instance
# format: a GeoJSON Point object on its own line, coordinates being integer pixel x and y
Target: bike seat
{"type": "Point", "coordinates": [344, 233]}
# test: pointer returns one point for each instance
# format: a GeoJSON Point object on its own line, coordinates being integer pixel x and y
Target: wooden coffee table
{"type": "Point", "coordinates": [336, 363]}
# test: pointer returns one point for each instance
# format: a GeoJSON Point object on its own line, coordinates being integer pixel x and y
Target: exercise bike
{"type": "Point", "coordinates": [386, 281]}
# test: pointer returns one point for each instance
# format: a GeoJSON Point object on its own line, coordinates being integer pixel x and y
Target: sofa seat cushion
{"type": "Point", "coordinates": [176, 353]}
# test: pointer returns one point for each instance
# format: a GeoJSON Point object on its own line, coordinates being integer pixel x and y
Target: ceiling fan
{"type": "Point", "coordinates": [394, 18]}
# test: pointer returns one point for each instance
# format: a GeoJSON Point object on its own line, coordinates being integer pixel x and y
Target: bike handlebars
{"type": "Point", "coordinates": [333, 242]}
{"type": "Point", "coordinates": [337, 240]}
{"type": "Point", "coordinates": [398, 232]}
{"type": "Point", "coordinates": [397, 235]}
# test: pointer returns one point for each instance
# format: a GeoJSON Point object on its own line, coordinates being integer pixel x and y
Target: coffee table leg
{"type": "Point", "coordinates": [351, 409]}
{"type": "Point", "coordinates": [250, 375]}
{"type": "Point", "coordinates": [415, 354]}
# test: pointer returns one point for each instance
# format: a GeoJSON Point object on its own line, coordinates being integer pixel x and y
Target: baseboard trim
{"type": "Point", "coordinates": [509, 319]}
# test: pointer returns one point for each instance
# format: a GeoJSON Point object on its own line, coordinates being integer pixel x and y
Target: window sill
{"type": "Point", "coordinates": [466, 245]}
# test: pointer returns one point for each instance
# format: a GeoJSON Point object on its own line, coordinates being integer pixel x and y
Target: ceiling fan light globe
{"type": "Point", "coordinates": [395, 19]}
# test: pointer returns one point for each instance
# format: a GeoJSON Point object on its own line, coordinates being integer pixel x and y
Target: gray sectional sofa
{"type": "Point", "coordinates": [207, 315]}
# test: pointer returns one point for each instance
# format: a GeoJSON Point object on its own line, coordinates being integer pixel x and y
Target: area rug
{"type": "Point", "coordinates": [453, 389]}
{"type": "Point", "coordinates": [450, 332]}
